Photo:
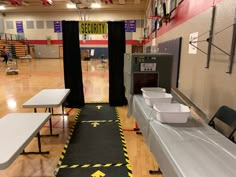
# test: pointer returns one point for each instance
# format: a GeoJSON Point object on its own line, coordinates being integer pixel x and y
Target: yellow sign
{"type": "Point", "coordinates": [92, 27]}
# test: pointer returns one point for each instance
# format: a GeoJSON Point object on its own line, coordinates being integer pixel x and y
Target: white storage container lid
{"type": "Point", "coordinates": [153, 97]}
{"type": "Point", "coordinates": [156, 95]}
{"type": "Point", "coordinates": [153, 89]}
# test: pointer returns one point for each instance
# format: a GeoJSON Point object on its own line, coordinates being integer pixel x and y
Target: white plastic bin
{"type": "Point", "coordinates": [154, 98]}
{"type": "Point", "coordinates": [153, 89]}
{"type": "Point", "coordinates": [172, 112]}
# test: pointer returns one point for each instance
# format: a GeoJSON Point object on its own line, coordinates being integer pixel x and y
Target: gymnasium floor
{"type": "Point", "coordinates": [39, 74]}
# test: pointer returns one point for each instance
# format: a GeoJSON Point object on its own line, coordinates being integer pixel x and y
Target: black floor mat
{"type": "Point", "coordinates": [96, 145]}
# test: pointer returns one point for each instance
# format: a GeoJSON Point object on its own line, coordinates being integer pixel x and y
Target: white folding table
{"type": "Point", "coordinates": [16, 131]}
{"type": "Point", "coordinates": [48, 98]}
{"type": "Point", "coordinates": [142, 113]}
{"type": "Point", "coordinates": [191, 149]}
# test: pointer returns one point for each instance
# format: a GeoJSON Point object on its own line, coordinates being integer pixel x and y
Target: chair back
{"type": "Point", "coordinates": [226, 115]}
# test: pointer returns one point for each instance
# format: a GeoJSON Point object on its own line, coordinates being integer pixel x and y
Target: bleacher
{"type": "Point", "coordinates": [16, 47]}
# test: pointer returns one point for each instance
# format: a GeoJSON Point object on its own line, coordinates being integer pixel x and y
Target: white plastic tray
{"type": "Point", "coordinates": [155, 97]}
{"type": "Point", "coordinates": [172, 112]}
{"type": "Point", "coordinates": [153, 89]}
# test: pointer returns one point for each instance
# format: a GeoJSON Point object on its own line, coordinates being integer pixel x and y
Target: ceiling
{"type": "Point", "coordinates": [60, 5]}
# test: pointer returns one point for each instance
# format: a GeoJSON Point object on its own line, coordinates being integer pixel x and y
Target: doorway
{"type": "Point", "coordinates": [73, 73]}
{"type": "Point", "coordinates": [95, 73]}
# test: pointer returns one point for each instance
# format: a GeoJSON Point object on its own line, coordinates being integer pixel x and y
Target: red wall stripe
{"type": "Point", "coordinates": [187, 10]}
{"type": "Point", "coordinates": [184, 12]}
{"type": "Point", "coordinates": [95, 42]}
{"type": "Point", "coordinates": [89, 42]}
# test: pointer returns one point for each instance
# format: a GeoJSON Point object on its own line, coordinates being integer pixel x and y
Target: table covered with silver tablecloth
{"type": "Point", "coordinates": [191, 149]}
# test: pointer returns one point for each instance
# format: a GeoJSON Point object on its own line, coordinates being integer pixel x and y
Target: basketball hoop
{"type": "Point", "coordinates": [83, 14]}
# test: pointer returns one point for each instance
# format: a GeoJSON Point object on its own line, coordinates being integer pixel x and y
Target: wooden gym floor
{"type": "Point", "coordinates": [39, 74]}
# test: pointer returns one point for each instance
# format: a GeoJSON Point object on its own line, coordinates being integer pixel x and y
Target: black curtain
{"type": "Point", "coordinates": [72, 64]}
{"type": "Point", "coordinates": [116, 50]}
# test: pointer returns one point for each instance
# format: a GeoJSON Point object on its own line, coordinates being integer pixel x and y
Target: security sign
{"type": "Point", "coordinates": [92, 27]}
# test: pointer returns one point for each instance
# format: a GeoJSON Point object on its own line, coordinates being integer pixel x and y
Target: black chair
{"type": "Point", "coordinates": [228, 116]}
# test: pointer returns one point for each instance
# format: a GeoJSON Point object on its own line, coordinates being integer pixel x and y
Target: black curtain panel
{"type": "Point", "coordinates": [72, 64]}
{"type": "Point", "coordinates": [116, 50]}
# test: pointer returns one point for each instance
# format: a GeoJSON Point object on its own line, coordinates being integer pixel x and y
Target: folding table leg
{"type": "Point", "coordinates": [62, 114]}
{"type": "Point", "coordinates": [62, 107]}
{"type": "Point", "coordinates": [39, 146]}
{"type": "Point", "coordinates": [153, 172]}
{"type": "Point", "coordinates": [50, 120]}
{"type": "Point", "coordinates": [50, 124]}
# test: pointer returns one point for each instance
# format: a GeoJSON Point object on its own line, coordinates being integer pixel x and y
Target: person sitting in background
{"type": "Point", "coordinates": [4, 54]}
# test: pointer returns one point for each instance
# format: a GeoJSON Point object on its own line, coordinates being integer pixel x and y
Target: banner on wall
{"type": "Point", "coordinates": [86, 27]}
{"type": "Point", "coordinates": [19, 27]}
{"type": "Point", "coordinates": [57, 26]}
{"type": "Point", "coordinates": [130, 25]}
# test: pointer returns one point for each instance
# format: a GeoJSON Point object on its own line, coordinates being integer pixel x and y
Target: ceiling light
{"type": "Point", "coordinates": [95, 5]}
{"type": "Point", "coordinates": [2, 8]}
{"type": "Point", "coordinates": [71, 6]}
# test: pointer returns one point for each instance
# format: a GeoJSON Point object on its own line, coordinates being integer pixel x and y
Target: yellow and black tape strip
{"type": "Point", "coordinates": [77, 116]}
{"type": "Point", "coordinates": [67, 142]}
{"type": "Point", "coordinates": [95, 165]}
{"type": "Point", "coordinates": [124, 146]}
